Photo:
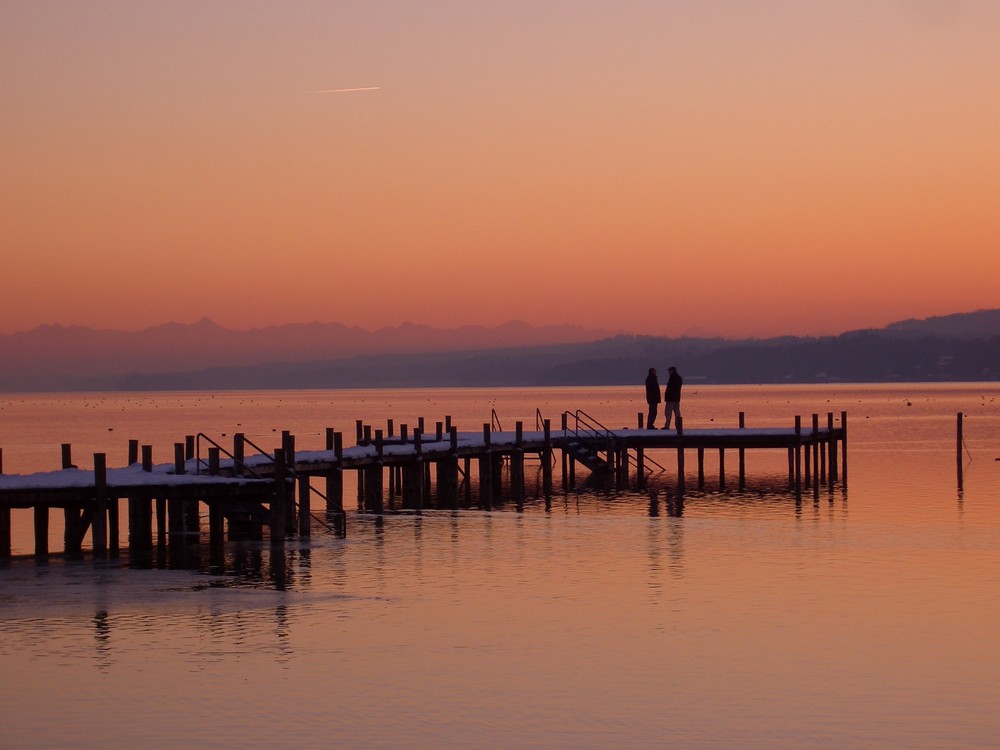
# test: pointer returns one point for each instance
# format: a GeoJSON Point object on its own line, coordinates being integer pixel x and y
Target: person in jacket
{"type": "Point", "coordinates": [672, 396]}
{"type": "Point", "coordinates": [652, 398]}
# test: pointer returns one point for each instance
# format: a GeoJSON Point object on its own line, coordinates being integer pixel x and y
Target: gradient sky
{"type": "Point", "coordinates": [738, 167]}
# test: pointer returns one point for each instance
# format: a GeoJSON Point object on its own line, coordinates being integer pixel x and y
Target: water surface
{"type": "Point", "coordinates": [864, 618]}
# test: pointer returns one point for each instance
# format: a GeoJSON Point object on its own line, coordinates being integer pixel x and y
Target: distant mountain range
{"type": "Point", "coordinates": [959, 347]}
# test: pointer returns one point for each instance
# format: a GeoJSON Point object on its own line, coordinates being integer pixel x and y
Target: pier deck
{"type": "Point", "coordinates": [245, 491]}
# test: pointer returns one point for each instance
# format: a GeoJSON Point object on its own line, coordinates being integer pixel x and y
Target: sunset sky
{"type": "Point", "coordinates": [735, 167]}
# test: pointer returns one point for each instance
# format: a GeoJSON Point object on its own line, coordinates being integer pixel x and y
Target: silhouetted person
{"type": "Point", "coordinates": [652, 398]}
{"type": "Point", "coordinates": [672, 396]}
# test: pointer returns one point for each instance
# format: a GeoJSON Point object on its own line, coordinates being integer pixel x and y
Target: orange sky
{"type": "Point", "coordinates": [740, 168]}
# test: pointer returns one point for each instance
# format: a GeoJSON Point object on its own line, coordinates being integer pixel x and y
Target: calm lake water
{"type": "Point", "coordinates": [866, 618]}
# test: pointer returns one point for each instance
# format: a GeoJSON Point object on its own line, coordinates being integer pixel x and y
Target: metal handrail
{"type": "Point", "coordinates": [495, 421]}
{"type": "Point", "coordinates": [595, 428]}
{"type": "Point", "coordinates": [256, 475]}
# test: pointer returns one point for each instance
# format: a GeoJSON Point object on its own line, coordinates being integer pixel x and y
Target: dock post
{"type": "Point", "coordinates": [71, 515]}
{"type": "Point", "coordinates": [486, 471]}
{"type": "Point", "coordinates": [359, 425]}
{"type": "Point", "coordinates": [41, 531]}
{"type": "Point", "coordinates": [743, 457]}
{"type": "Point", "coordinates": [239, 454]}
{"type": "Point", "coordinates": [816, 454]}
{"type": "Point", "coordinates": [843, 450]}
{"type": "Point", "coordinates": [807, 473]}
{"type": "Point", "coordinates": [722, 469]}
{"type": "Point", "coordinates": [161, 521]}
{"type": "Point", "coordinates": [680, 468]}
{"type": "Point", "coordinates": [374, 499]}
{"type": "Point", "coordinates": [305, 506]}
{"type": "Point", "coordinates": [189, 447]}
{"type": "Point", "coordinates": [798, 456]}
{"type": "Point", "coordinates": [831, 450]}
{"type": "Point", "coordinates": [958, 454]}
{"type": "Point", "coordinates": [701, 468]}
{"type": "Point", "coordinates": [335, 477]}
{"type": "Point", "coordinates": [547, 460]}
{"type": "Point", "coordinates": [5, 550]}
{"type": "Point", "coordinates": [133, 452]}
{"type": "Point", "coordinates": [567, 459]}
{"type": "Point", "coordinates": [822, 446]}
{"type": "Point", "coordinates": [216, 526]}
{"type": "Point", "coordinates": [99, 524]}
{"type": "Point", "coordinates": [140, 523]}
{"type": "Point", "coordinates": [279, 498]}
{"type": "Point", "coordinates": [453, 458]}
{"type": "Point", "coordinates": [5, 524]}
{"type": "Point", "coordinates": [517, 464]}
{"type": "Point", "coordinates": [114, 536]}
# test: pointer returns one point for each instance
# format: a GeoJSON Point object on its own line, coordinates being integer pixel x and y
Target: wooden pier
{"type": "Point", "coordinates": [246, 488]}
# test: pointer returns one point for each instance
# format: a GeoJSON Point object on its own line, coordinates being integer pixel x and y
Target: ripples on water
{"type": "Point", "coordinates": [862, 618]}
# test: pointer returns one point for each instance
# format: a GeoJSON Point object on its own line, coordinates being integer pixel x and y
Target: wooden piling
{"type": "Point", "coordinates": [722, 469]}
{"type": "Point", "coordinates": [958, 452]}
{"type": "Point", "coordinates": [547, 459]}
{"type": "Point", "coordinates": [99, 523]}
{"type": "Point", "coordinates": [831, 451]}
{"type": "Point", "coordinates": [742, 454]}
{"type": "Point", "coordinates": [798, 455]}
{"type": "Point", "coordinates": [335, 477]}
{"type": "Point", "coordinates": [279, 498]}
{"type": "Point", "coordinates": [517, 464]}
{"type": "Point", "coordinates": [486, 471]}
{"type": "Point", "coordinates": [305, 506]}
{"type": "Point", "coordinates": [701, 468]}
{"type": "Point", "coordinates": [41, 531]}
{"type": "Point", "coordinates": [843, 449]}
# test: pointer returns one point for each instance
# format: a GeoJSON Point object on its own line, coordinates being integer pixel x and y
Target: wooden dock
{"type": "Point", "coordinates": [246, 488]}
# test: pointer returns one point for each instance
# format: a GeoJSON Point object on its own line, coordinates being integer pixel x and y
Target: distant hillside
{"type": "Point", "coordinates": [981, 324]}
{"type": "Point", "coordinates": [74, 358]}
{"type": "Point", "coordinates": [862, 356]}
{"type": "Point", "coordinates": [963, 347]}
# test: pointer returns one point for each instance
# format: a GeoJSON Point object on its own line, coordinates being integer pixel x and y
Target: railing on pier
{"type": "Point", "coordinates": [589, 429]}
{"type": "Point", "coordinates": [240, 467]}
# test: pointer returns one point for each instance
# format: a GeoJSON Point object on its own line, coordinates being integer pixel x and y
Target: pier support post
{"type": "Point", "coordinates": [814, 449]}
{"type": "Point", "coordinates": [843, 450]}
{"type": "Point", "coordinates": [831, 450]}
{"type": "Point", "coordinates": [4, 523]}
{"type": "Point", "coordinates": [722, 469]}
{"type": "Point", "coordinates": [335, 477]}
{"type": "Point", "coordinates": [5, 550]}
{"type": "Point", "coordinates": [958, 454]}
{"type": "Point", "coordinates": [305, 506]}
{"type": "Point", "coordinates": [140, 524]}
{"type": "Point", "coordinates": [279, 499]}
{"type": "Point", "coordinates": [547, 460]}
{"type": "Point", "coordinates": [680, 469]}
{"type": "Point", "coordinates": [41, 531]}
{"type": "Point", "coordinates": [239, 454]}
{"type": "Point", "coordinates": [216, 526]}
{"type": "Point", "coordinates": [566, 458]}
{"type": "Point", "coordinates": [486, 471]}
{"type": "Point", "coordinates": [701, 468]}
{"type": "Point", "coordinates": [743, 458]}
{"type": "Point", "coordinates": [99, 524]}
{"type": "Point", "coordinates": [798, 456]}
{"type": "Point", "coordinates": [517, 465]}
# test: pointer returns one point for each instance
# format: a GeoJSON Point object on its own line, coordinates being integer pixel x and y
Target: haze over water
{"type": "Point", "coordinates": [865, 618]}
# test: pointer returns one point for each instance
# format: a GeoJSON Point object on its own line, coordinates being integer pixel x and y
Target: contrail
{"type": "Point", "coordinates": [345, 91]}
